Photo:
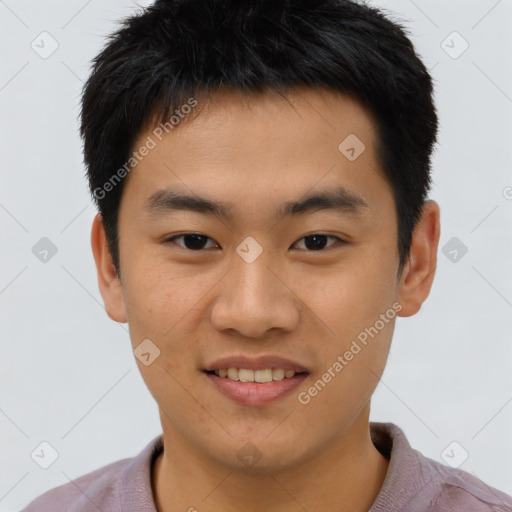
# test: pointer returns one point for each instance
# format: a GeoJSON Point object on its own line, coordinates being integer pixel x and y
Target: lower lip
{"type": "Point", "coordinates": [254, 393]}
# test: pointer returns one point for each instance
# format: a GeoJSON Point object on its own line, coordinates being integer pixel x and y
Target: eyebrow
{"type": "Point", "coordinates": [340, 199]}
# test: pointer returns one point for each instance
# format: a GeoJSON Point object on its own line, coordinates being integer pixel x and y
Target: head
{"type": "Point", "coordinates": [280, 120]}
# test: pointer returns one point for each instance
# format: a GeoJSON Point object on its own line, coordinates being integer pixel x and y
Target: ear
{"type": "Point", "coordinates": [108, 281]}
{"type": "Point", "coordinates": [418, 274]}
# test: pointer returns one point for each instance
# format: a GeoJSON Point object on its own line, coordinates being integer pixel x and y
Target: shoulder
{"type": "Point", "coordinates": [460, 490]}
{"type": "Point", "coordinates": [124, 485]}
{"type": "Point", "coordinates": [415, 482]}
{"type": "Point", "coordinates": [88, 492]}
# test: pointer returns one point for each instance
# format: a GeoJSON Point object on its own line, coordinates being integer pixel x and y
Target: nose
{"type": "Point", "coordinates": [255, 298]}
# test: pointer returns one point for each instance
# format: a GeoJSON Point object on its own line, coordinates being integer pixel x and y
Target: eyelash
{"type": "Point", "coordinates": [174, 237]}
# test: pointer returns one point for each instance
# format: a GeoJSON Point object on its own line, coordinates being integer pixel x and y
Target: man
{"type": "Point", "coordinates": [261, 172]}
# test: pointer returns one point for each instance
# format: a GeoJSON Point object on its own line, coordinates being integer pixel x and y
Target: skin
{"type": "Point", "coordinates": [293, 301]}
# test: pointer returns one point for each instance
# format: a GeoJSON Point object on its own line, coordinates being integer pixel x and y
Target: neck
{"type": "Point", "coordinates": [349, 472]}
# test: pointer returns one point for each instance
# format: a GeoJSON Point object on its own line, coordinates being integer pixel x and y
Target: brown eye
{"type": "Point", "coordinates": [191, 241]}
{"type": "Point", "coordinates": [318, 242]}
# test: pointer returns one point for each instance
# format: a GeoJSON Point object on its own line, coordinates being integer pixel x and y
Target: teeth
{"type": "Point", "coordinates": [263, 375]}
{"type": "Point", "coordinates": [245, 375]}
{"type": "Point", "coordinates": [278, 374]}
{"type": "Point", "coordinates": [232, 373]}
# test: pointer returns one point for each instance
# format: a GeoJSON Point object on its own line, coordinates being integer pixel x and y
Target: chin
{"type": "Point", "coordinates": [260, 456]}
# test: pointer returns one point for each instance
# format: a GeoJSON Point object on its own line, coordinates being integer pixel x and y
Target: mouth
{"type": "Point", "coordinates": [261, 376]}
{"type": "Point", "coordinates": [255, 381]}
{"type": "Point", "coordinates": [256, 387]}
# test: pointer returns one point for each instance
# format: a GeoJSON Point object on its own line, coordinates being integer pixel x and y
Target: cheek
{"type": "Point", "coordinates": [351, 296]}
{"type": "Point", "coordinates": [353, 358]}
{"type": "Point", "coordinates": [157, 293]}
{"type": "Point", "coordinates": [354, 311]}
{"type": "Point", "coordinates": [165, 304]}
{"type": "Point", "coordinates": [161, 309]}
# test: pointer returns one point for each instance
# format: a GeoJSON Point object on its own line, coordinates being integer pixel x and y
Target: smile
{"type": "Point", "coordinates": [243, 387]}
{"type": "Point", "coordinates": [247, 375]}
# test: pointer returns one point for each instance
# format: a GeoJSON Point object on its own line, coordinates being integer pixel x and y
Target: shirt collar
{"type": "Point", "coordinates": [407, 479]}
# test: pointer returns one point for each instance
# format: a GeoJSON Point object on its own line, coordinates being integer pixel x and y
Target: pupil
{"type": "Point", "coordinates": [318, 241]}
{"type": "Point", "coordinates": [194, 241]}
{"type": "Point", "coordinates": [313, 242]}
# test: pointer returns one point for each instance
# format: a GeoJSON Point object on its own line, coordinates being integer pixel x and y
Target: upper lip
{"type": "Point", "coordinates": [255, 363]}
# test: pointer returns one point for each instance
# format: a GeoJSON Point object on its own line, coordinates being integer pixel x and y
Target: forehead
{"type": "Point", "coordinates": [302, 111]}
{"type": "Point", "coordinates": [243, 145]}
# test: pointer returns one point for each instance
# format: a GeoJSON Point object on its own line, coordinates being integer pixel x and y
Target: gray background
{"type": "Point", "coordinates": [68, 373]}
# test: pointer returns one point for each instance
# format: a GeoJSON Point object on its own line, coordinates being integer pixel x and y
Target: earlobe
{"type": "Point", "coordinates": [419, 271]}
{"type": "Point", "coordinates": [108, 281]}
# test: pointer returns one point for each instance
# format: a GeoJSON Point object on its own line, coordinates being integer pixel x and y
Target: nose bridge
{"type": "Point", "coordinates": [251, 268]}
{"type": "Point", "coordinates": [252, 299]}
{"type": "Point", "coordinates": [253, 284]}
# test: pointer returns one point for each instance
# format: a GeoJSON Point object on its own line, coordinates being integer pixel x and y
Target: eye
{"type": "Point", "coordinates": [197, 241]}
{"type": "Point", "coordinates": [192, 241]}
{"type": "Point", "coordinates": [317, 241]}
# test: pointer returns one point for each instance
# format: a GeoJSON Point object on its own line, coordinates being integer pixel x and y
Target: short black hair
{"type": "Point", "coordinates": [175, 50]}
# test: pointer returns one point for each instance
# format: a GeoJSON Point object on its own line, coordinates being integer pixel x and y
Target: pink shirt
{"type": "Point", "coordinates": [413, 483]}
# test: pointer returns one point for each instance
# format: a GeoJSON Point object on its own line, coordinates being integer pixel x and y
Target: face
{"type": "Point", "coordinates": [294, 269]}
